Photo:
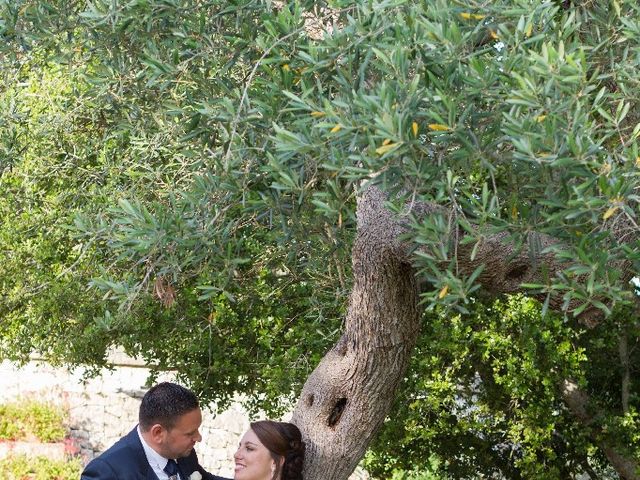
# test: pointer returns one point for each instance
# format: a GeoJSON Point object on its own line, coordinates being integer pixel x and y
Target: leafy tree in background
{"type": "Point", "coordinates": [189, 179]}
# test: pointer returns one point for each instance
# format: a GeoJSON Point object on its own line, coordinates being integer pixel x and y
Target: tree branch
{"type": "Point", "coordinates": [508, 267]}
{"type": "Point", "coordinates": [578, 403]}
{"type": "Point", "coordinates": [623, 349]}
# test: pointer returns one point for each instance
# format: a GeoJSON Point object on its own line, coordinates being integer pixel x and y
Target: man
{"type": "Point", "coordinates": [161, 446]}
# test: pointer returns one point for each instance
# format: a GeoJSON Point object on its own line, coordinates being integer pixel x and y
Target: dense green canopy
{"type": "Point", "coordinates": [178, 177]}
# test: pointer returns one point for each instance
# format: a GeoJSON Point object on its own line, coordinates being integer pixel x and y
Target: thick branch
{"type": "Point", "coordinates": [578, 403]}
{"type": "Point", "coordinates": [623, 349]}
{"type": "Point", "coordinates": [507, 268]}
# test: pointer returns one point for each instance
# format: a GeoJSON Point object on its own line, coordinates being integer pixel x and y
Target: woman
{"type": "Point", "coordinates": [270, 451]}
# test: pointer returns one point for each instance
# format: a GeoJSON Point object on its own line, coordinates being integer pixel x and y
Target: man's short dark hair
{"type": "Point", "coordinates": [164, 403]}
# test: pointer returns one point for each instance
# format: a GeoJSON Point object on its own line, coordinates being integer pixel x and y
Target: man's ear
{"type": "Point", "coordinates": [157, 433]}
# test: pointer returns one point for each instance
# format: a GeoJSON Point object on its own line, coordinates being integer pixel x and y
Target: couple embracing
{"type": "Point", "coordinates": [160, 447]}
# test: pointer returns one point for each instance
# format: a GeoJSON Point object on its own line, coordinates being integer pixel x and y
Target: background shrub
{"type": "Point", "coordinates": [32, 420]}
{"type": "Point", "coordinates": [19, 467]}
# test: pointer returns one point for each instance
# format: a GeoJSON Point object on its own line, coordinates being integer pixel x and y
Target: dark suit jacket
{"type": "Point", "coordinates": [126, 460]}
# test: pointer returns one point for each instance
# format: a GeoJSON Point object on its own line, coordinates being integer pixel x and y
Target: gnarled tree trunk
{"type": "Point", "coordinates": [349, 394]}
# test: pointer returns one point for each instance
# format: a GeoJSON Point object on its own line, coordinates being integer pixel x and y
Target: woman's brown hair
{"type": "Point", "coordinates": [284, 441]}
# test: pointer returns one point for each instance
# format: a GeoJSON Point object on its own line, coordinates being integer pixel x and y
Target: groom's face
{"type": "Point", "coordinates": [180, 440]}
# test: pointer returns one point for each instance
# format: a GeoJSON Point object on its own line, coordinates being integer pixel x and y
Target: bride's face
{"type": "Point", "coordinates": [253, 460]}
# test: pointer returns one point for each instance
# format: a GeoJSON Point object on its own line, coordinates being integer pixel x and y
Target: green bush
{"type": "Point", "coordinates": [429, 471]}
{"type": "Point", "coordinates": [19, 467]}
{"type": "Point", "coordinates": [32, 420]}
{"type": "Point", "coordinates": [414, 475]}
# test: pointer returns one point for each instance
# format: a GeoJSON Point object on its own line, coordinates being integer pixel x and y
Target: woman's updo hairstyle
{"type": "Point", "coordinates": [284, 441]}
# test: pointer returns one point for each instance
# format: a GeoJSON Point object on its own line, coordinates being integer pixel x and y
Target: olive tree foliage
{"type": "Point", "coordinates": [179, 178]}
{"type": "Point", "coordinates": [108, 173]}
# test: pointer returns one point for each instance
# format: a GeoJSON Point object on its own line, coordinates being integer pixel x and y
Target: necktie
{"type": "Point", "coordinates": [171, 469]}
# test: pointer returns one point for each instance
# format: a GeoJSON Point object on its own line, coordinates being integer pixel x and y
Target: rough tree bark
{"type": "Point", "coordinates": [347, 397]}
{"type": "Point", "coordinates": [349, 394]}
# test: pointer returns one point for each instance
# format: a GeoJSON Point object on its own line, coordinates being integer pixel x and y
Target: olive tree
{"type": "Point", "coordinates": [210, 167]}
